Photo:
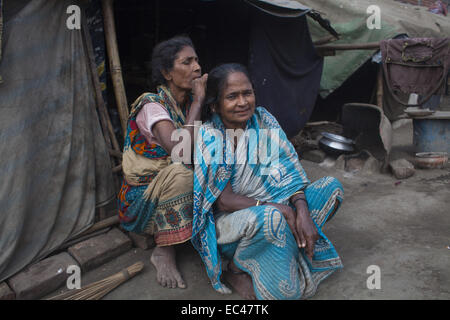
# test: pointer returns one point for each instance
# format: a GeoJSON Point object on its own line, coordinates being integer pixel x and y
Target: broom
{"type": "Point", "coordinates": [99, 289]}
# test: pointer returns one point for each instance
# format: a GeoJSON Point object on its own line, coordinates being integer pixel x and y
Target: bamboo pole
{"type": "Point", "coordinates": [114, 62]}
{"type": "Point", "coordinates": [107, 128]}
{"type": "Point", "coordinates": [106, 223]}
{"type": "Point", "coordinates": [380, 87]}
{"type": "Point", "coordinates": [94, 75]}
{"type": "Point", "coordinates": [115, 153]}
{"type": "Point", "coordinates": [353, 46]}
{"type": "Point", "coordinates": [324, 40]}
{"type": "Point", "coordinates": [117, 168]}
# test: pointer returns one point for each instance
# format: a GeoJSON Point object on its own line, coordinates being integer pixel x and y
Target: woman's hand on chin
{"type": "Point", "coordinates": [306, 227]}
{"type": "Point", "coordinates": [199, 88]}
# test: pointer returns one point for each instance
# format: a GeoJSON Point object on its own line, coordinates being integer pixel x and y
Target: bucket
{"type": "Point", "coordinates": [432, 133]}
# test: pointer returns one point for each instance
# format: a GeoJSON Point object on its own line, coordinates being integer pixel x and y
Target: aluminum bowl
{"type": "Point", "coordinates": [337, 138]}
{"type": "Point", "coordinates": [334, 144]}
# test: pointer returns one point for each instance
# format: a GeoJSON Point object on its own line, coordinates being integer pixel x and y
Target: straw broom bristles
{"type": "Point", "coordinates": [98, 289]}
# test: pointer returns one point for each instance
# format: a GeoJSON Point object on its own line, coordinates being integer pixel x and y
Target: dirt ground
{"type": "Point", "coordinates": [403, 228]}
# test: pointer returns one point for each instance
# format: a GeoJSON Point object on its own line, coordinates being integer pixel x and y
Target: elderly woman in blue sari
{"type": "Point", "coordinates": [253, 203]}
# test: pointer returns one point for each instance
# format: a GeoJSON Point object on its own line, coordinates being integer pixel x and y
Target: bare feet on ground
{"type": "Point", "coordinates": [240, 281]}
{"type": "Point", "coordinates": [167, 274]}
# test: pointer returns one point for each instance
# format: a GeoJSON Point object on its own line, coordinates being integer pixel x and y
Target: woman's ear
{"type": "Point", "coordinates": [166, 75]}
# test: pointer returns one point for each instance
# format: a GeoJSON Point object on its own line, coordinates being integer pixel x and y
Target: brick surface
{"type": "Point", "coordinates": [371, 165]}
{"type": "Point", "coordinates": [6, 293]}
{"type": "Point", "coordinates": [314, 155]}
{"type": "Point", "coordinates": [98, 250]}
{"type": "Point", "coordinates": [402, 168]}
{"type": "Point", "coordinates": [41, 278]}
{"type": "Point", "coordinates": [143, 242]}
{"type": "Point", "coordinates": [340, 162]}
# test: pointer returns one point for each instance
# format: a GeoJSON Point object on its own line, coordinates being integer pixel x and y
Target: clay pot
{"type": "Point", "coordinates": [431, 160]}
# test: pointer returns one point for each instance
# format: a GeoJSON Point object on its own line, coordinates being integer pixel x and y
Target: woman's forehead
{"type": "Point", "coordinates": [237, 81]}
{"type": "Point", "coordinates": [186, 52]}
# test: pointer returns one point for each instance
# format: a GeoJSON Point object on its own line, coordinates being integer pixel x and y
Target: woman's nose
{"type": "Point", "coordinates": [242, 101]}
{"type": "Point", "coordinates": [197, 67]}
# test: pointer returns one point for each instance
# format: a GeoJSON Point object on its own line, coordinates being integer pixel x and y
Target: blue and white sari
{"type": "Point", "coordinates": [265, 167]}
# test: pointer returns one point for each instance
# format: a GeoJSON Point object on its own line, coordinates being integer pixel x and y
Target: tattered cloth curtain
{"type": "Point", "coordinates": [54, 164]}
{"type": "Point", "coordinates": [1, 32]}
{"type": "Point", "coordinates": [285, 69]}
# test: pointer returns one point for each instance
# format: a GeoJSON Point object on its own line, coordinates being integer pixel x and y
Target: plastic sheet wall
{"type": "Point", "coordinates": [54, 165]}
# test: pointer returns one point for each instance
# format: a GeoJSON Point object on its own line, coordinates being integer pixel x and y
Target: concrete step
{"type": "Point", "coordinates": [96, 251]}
{"type": "Point", "coordinates": [141, 241]}
{"type": "Point", "coordinates": [43, 277]}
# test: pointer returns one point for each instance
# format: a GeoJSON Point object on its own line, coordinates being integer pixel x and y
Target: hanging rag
{"type": "Point", "coordinates": [415, 65]}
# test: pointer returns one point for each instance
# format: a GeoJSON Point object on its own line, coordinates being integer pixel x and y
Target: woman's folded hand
{"type": "Point", "coordinates": [306, 227]}
{"type": "Point", "coordinates": [290, 215]}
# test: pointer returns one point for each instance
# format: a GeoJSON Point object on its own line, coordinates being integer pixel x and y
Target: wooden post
{"type": "Point", "coordinates": [380, 87]}
{"type": "Point", "coordinates": [353, 46]}
{"type": "Point", "coordinates": [114, 62]}
{"type": "Point", "coordinates": [108, 130]}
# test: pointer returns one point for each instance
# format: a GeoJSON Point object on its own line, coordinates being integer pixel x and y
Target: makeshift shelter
{"type": "Point", "coordinates": [349, 75]}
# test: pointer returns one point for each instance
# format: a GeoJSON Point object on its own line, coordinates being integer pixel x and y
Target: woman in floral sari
{"type": "Point", "coordinates": [156, 194]}
{"type": "Point", "coordinates": [254, 207]}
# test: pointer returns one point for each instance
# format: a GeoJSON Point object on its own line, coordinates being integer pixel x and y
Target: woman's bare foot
{"type": "Point", "coordinates": [167, 274]}
{"type": "Point", "coordinates": [240, 281]}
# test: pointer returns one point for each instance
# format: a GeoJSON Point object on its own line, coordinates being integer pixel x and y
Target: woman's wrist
{"type": "Point", "coordinates": [298, 199]}
{"type": "Point", "coordinates": [297, 196]}
{"type": "Point", "coordinates": [300, 194]}
{"type": "Point", "coordinates": [197, 102]}
{"type": "Point", "coordinates": [260, 203]}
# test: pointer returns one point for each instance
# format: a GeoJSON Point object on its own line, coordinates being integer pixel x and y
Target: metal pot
{"type": "Point", "coordinates": [335, 144]}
